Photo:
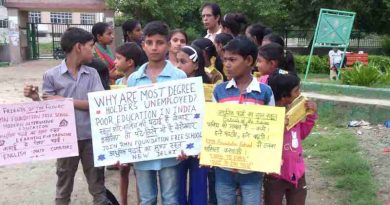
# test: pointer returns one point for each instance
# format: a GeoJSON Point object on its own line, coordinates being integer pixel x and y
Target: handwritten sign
{"type": "Point", "coordinates": [37, 131]}
{"type": "Point", "coordinates": [246, 137]}
{"type": "Point", "coordinates": [147, 122]}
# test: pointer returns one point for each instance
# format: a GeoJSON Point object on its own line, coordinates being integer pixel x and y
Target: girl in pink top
{"type": "Point", "coordinates": [291, 181]}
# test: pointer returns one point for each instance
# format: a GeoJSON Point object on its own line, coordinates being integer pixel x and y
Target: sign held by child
{"type": "Point", "coordinates": [245, 137]}
{"type": "Point", "coordinates": [37, 131]}
{"type": "Point", "coordinates": [148, 122]}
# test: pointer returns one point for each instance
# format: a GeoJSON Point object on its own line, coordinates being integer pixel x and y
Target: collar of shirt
{"type": "Point", "coordinates": [208, 35]}
{"type": "Point", "coordinates": [165, 72]}
{"type": "Point", "coordinates": [253, 86]}
{"type": "Point", "coordinates": [64, 69]}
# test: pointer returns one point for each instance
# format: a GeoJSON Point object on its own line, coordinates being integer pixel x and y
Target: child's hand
{"type": "Point", "coordinates": [52, 97]}
{"type": "Point", "coordinates": [311, 106]}
{"type": "Point", "coordinates": [286, 120]}
{"type": "Point", "coordinates": [182, 156]}
{"type": "Point", "coordinates": [31, 91]}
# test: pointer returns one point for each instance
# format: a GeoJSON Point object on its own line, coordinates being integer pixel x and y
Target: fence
{"type": "Point", "coordinates": [296, 38]}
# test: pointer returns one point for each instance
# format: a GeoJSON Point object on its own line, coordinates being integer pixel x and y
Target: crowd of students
{"type": "Point", "coordinates": [228, 56]}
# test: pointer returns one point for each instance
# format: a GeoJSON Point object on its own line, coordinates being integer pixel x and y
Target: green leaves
{"type": "Point", "coordinates": [365, 75]}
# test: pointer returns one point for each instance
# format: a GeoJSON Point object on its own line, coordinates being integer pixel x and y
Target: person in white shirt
{"type": "Point", "coordinates": [211, 18]}
{"type": "Point", "coordinates": [335, 58]}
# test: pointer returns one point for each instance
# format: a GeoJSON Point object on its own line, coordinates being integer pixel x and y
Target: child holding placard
{"type": "Point", "coordinates": [156, 45]}
{"type": "Point", "coordinates": [190, 60]}
{"type": "Point", "coordinates": [239, 57]}
{"type": "Point", "coordinates": [291, 181]}
{"type": "Point", "coordinates": [72, 79]}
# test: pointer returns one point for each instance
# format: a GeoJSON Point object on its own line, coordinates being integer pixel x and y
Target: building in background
{"type": "Point", "coordinates": [31, 26]}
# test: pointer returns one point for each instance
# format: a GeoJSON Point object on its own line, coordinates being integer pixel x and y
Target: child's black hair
{"type": "Point", "coordinates": [173, 32]}
{"type": "Point", "coordinates": [102, 70]}
{"type": "Point", "coordinates": [235, 22]}
{"type": "Point", "coordinates": [289, 64]}
{"type": "Point", "coordinates": [131, 51]}
{"type": "Point", "coordinates": [200, 61]}
{"type": "Point", "coordinates": [273, 51]}
{"type": "Point", "coordinates": [129, 26]}
{"type": "Point", "coordinates": [156, 27]}
{"type": "Point", "coordinates": [72, 36]}
{"type": "Point", "coordinates": [223, 38]}
{"type": "Point", "coordinates": [215, 9]}
{"type": "Point", "coordinates": [242, 46]}
{"type": "Point", "coordinates": [207, 45]}
{"type": "Point", "coordinates": [99, 29]}
{"type": "Point", "coordinates": [258, 30]}
{"type": "Point", "coordinates": [283, 84]}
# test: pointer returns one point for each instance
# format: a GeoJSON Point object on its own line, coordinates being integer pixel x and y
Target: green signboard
{"type": "Point", "coordinates": [333, 30]}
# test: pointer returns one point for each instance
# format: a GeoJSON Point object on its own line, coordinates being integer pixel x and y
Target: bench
{"type": "Point", "coordinates": [352, 58]}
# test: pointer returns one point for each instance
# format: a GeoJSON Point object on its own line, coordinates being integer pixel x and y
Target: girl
{"type": "Point", "coordinates": [291, 181]}
{"type": "Point", "coordinates": [239, 57]}
{"type": "Point", "coordinates": [103, 37]}
{"type": "Point", "coordinates": [191, 61]}
{"type": "Point", "coordinates": [256, 33]}
{"type": "Point", "coordinates": [132, 31]}
{"type": "Point", "coordinates": [233, 23]}
{"type": "Point", "coordinates": [219, 42]}
{"type": "Point", "coordinates": [210, 55]}
{"type": "Point", "coordinates": [289, 64]}
{"type": "Point", "coordinates": [178, 38]}
{"type": "Point", "coordinates": [270, 61]}
{"type": "Point", "coordinates": [127, 59]}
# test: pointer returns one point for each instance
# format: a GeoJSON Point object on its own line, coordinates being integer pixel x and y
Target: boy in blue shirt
{"type": "Point", "coordinates": [156, 70]}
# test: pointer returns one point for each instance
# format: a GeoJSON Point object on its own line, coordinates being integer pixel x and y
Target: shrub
{"type": "Point", "coordinates": [318, 64]}
{"type": "Point", "coordinates": [362, 75]}
{"type": "Point", "coordinates": [383, 62]}
{"type": "Point", "coordinates": [386, 45]}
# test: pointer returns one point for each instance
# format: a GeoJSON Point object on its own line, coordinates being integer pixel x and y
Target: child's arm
{"type": "Point", "coordinates": [308, 125]}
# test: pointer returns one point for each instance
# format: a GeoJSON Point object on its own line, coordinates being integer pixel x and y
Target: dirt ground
{"type": "Point", "coordinates": [34, 183]}
{"type": "Point", "coordinates": [374, 142]}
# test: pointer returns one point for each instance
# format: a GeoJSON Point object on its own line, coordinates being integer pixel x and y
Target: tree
{"type": "Point", "coordinates": [372, 15]}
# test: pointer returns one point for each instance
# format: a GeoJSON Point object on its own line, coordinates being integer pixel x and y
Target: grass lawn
{"type": "Point", "coordinates": [45, 48]}
{"type": "Point", "coordinates": [342, 162]}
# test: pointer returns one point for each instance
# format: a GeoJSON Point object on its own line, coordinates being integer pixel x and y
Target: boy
{"type": "Point", "coordinates": [71, 79]}
{"type": "Point", "coordinates": [243, 88]}
{"type": "Point", "coordinates": [157, 70]}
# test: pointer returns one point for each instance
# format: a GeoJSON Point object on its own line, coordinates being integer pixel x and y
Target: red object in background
{"type": "Point", "coordinates": [386, 149]}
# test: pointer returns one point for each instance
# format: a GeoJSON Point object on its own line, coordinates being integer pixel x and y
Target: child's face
{"type": "Point", "coordinates": [122, 64]}
{"type": "Point", "coordinates": [136, 33]}
{"type": "Point", "coordinates": [107, 38]}
{"type": "Point", "coordinates": [264, 66]}
{"type": "Point", "coordinates": [178, 40]}
{"type": "Point", "coordinates": [156, 47]}
{"type": "Point", "coordinates": [295, 92]}
{"type": "Point", "coordinates": [86, 51]}
{"type": "Point", "coordinates": [186, 64]}
{"type": "Point", "coordinates": [235, 64]}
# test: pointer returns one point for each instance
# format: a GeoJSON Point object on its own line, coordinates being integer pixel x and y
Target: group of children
{"type": "Point", "coordinates": [154, 55]}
